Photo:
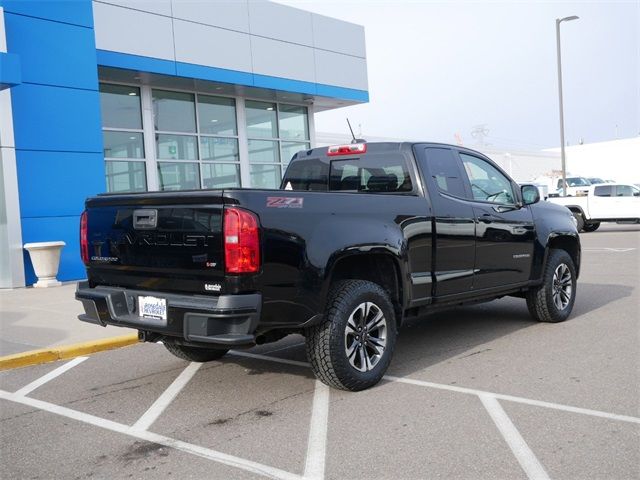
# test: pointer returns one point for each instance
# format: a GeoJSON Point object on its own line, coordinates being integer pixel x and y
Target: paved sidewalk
{"type": "Point", "coordinates": [33, 318]}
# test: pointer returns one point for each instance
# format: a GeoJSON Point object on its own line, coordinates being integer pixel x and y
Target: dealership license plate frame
{"type": "Point", "coordinates": [159, 313]}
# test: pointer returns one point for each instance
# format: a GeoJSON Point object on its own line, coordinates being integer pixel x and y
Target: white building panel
{"type": "Point", "coordinates": [341, 70]}
{"type": "Point", "coordinates": [137, 33]}
{"type": "Point", "coordinates": [280, 22]}
{"type": "Point", "coordinates": [231, 14]}
{"type": "Point", "coordinates": [160, 7]}
{"type": "Point", "coordinates": [337, 36]}
{"type": "Point", "coordinates": [281, 59]}
{"type": "Point", "coordinates": [212, 46]}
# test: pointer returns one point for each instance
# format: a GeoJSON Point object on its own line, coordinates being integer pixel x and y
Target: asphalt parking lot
{"type": "Point", "coordinates": [478, 392]}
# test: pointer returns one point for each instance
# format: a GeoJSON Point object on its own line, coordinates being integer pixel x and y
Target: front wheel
{"type": "Point", "coordinates": [196, 354]}
{"type": "Point", "coordinates": [591, 227]}
{"type": "Point", "coordinates": [352, 348]}
{"type": "Point", "coordinates": [553, 300]}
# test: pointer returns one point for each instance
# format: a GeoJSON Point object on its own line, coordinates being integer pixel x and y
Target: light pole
{"type": "Point", "coordinates": [562, 154]}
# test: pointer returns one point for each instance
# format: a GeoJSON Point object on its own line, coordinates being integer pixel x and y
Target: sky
{"type": "Point", "coordinates": [437, 69]}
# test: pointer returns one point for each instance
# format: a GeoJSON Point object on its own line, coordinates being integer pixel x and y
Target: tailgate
{"type": "Point", "coordinates": [155, 246]}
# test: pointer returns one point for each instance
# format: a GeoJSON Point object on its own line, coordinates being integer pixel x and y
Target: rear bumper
{"type": "Point", "coordinates": [222, 321]}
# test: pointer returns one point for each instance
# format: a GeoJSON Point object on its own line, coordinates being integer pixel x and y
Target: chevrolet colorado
{"type": "Point", "coordinates": [358, 239]}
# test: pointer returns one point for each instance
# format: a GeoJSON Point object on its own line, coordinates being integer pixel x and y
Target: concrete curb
{"type": "Point", "coordinates": [45, 355]}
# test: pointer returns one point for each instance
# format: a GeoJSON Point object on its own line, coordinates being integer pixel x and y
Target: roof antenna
{"type": "Point", "coordinates": [354, 139]}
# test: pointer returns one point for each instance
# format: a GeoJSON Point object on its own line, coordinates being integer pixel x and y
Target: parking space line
{"type": "Point", "coordinates": [317, 443]}
{"type": "Point", "coordinates": [50, 376]}
{"type": "Point", "coordinates": [525, 456]}
{"type": "Point", "coordinates": [203, 452]}
{"type": "Point", "coordinates": [163, 401]}
{"type": "Point", "coordinates": [469, 391]}
{"type": "Point", "coordinates": [511, 398]}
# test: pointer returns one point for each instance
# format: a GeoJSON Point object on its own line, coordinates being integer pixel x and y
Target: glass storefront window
{"type": "Point", "coordinates": [120, 107]}
{"type": "Point", "coordinates": [220, 175]}
{"type": "Point", "coordinates": [176, 147]}
{"type": "Point", "coordinates": [174, 111]}
{"type": "Point", "coordinates": [178, 176]}
{"type": "Point", "coordinates": [123, 144]}
{"type": "Point", "coordinates": [293, 122]}
{"type": "Point", "coordinates": [289, 149]}
{"type": "Point", "coordinates": [263, 151]}
{"type": "Point", "coordinates": [265, 176]}
{"type": "Point", "coordinates": [125, 176]}
{"type": "Point", "coordinates": [217, 115]}
{"type": "Point", "coordinates": [219, 149]}
{"type": "Point", "coordinates": [261, 119]}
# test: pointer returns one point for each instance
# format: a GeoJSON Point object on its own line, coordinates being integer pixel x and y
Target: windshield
{"type": "Point", "coordinates": [577, 182]}
{"type": "Point", "coordinates": [594, 180]}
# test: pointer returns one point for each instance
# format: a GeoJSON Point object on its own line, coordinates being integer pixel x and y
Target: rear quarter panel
{"type": "Point", "coordinates": [305, 233]}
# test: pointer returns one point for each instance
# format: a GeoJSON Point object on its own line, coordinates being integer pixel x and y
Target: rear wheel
{"type": "Point", "coordinates": [553, 300]}
{"type": "Point", "coordinates": [591, 227]}
{"type": "Point", "coordinates": [196, 354]}
{"type": "Point", "coordinates": [579, 220]}
{"type": "Point", "coordinates": [352, 348]}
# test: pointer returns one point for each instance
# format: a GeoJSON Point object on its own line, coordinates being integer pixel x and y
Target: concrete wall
{"type": "Point", "coordinates": [258, 41]}
{"type": "Point", "coordinates": [617, 160]}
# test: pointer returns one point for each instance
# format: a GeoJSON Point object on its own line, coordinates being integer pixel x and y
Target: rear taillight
{"type": "Point", "coordinates": [241, 241]}
{"type": "Point", "coordinates": [84, 239]}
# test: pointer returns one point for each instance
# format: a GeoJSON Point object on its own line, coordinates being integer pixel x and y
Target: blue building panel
{"type": "Point", "coordinates": [190, 70]}
{"type": "Point", "coordinates": [136, 62]}
{"type": "Point", "coordinates": [74, 12]}
{"type": "Point", "coordinates": [56, 118]}
{"type": "Point", "coordinates": [65, 179]}
{"type": "Point", "coordinates": [284, 84]}
{"type": "Point", "coordinates": [46, 229]}
{"type": "Point", "coordinates": [10, 71]}
{"type": "Point", "coordinates": [52, 53]}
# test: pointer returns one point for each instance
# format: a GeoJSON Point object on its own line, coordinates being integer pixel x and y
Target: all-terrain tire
{"type": "Point", "coordinates": [579, 221]}
{"type": "Point", "coordinates": [591, 226]}
{"type": "Point", "coordinates": [326, 343]}
{"type": "Point", "coordinates": [196, 354]}
{"type": "Point", "coordinates": [540, 300]}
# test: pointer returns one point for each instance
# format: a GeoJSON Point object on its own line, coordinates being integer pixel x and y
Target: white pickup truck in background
{"type": "Point", "coordinates": [608, 202]}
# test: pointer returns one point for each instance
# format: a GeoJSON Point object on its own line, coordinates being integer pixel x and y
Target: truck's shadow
{"type": "Point", "coordinates": [446, 334]}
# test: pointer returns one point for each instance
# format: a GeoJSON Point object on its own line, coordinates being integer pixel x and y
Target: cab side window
{"type": "Point", "coordinates": [488, 184]}
{"type": "Point", "coordinates": [603, 191]}
{"type": "Point", "coordinates": [624, 191]}
{"type": "Point", "coordinates": [442, 166]}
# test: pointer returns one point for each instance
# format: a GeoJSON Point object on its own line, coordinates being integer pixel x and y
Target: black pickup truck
{"type": "Point", "coordinates": [358, 239]}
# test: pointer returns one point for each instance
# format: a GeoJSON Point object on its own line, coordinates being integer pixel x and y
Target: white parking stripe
{"type": "Point", "coordinates": [317, 443]}
{"type": "Point", "coordinates": [50, 376]}
{"type": "Point", "coordinates": [163, 401]}
{"type": "Point", "coordinates": [469, 391]}
{"type": "Point", "coordinates": [511, 398]}
{"type": "Point", "coordinates": [207, 453]}
{"type": "Point", "coordinates": [525, 456]}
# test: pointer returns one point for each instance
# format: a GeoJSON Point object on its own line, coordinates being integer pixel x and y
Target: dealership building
{"type": "Point", "coordinates": [135, 95]}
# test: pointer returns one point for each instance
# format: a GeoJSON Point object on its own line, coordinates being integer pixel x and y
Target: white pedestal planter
{"type": "Point", "coordinates": [45, 257]}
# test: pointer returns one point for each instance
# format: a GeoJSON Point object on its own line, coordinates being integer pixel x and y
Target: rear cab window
{"type": "Point", "coordinates": [375, 172]}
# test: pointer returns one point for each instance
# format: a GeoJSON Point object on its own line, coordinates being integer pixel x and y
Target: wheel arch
{"type": "Point", "coordinates": [567, 242]}
{"type": "Point", "coordinates": [380, 267]}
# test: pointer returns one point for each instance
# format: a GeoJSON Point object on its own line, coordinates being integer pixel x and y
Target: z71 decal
{"type": "Point", "coordinates": [284, 202]}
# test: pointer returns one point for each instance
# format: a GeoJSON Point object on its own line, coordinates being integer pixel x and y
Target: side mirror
{"type": "Point", "coordinates": [530, 194]}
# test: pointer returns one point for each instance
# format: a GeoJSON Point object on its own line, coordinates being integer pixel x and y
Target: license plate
{"type": "Point", "coordinates": [152, 307]}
